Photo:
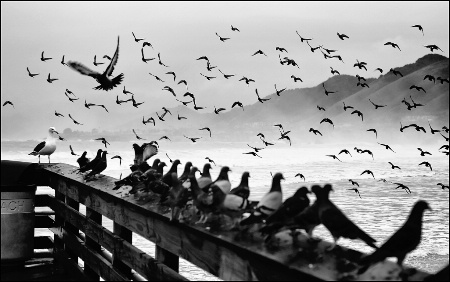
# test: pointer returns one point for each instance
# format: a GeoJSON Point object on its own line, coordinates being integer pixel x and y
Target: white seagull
{"type": "Point", "coordinates": [46, 147]}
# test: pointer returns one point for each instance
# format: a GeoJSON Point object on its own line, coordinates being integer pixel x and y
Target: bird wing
{"type": "Point", "coordinates": [82, 69]}
{"type": "Point", "coordinates": [113, 62]}
{"type": "Point", "coordinates": [39, 147]}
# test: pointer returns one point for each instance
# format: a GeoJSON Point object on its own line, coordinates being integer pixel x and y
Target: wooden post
{"type": "Point", "coordinates": [92, 244]}
{"type": "Point", "coordinates": [126, 235]}
{"type": "Point", "coordinates": [69, 227]}
{"type": "Point", "coordinates": [169, 259]}
{"type": "Point", "coordinates": [59, 222]}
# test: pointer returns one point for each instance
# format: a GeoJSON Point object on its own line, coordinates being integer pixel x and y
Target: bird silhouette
{"type": "Point", "coordinates": [394, 45]}
{"type": "Point", "coordinates": [227, 76]}
{"type": "Point", "coordinates": [247, 80]}
{"type": "Point", "coordinates": [217, 111]}
{"type": "Point", "coordinates": [315, 131]}
{"type": "Point", "coordinates": [402, 242]}
{"type": "Point", "coordinates": [223, 39]}
{"type": "Point", "coordinates": [145, 43]}
{"type": "Point", "coordinates": [287, 138]}
{"type": "Point", "coordinates": [326, 91]}
{"type": "Point", "coordinates": [356, 191]}
{"type": "Point", "coordinates": [395, 72]}
{"type": "Point", "coordinates": [423, 153]}
{"type": "Point", "coordinates": [62, 61]}
{"type": "Point", "coordinates": [71, 151]}
{"type": "Point", "coordinates": [31, 74]}
{"type": "Point", "coordinates": [103, 78]}
{"type": "Point", "coordinates": [145, 60]}
{"type": "Point", "coordinates": [333, 71]}
{"type": "Point", "coordinates": [44, 59]}
{"type": "Point", "coordinates": [74, 121]}
{"type": "Point", "coordinates": [393, 166]}
{"type": "Point", "coordinates": [118, 157]}
{"type": "Point", "coordinates": [347, 107]}
{"type": "Point", "coordinates": [358, 113]}
{"type": "Point", "coordinates": [354, 182]}
{"type": "Point", "coordinates": [88, 165]}
{"type": "Point", "coordinates": [242, 189]}
{"type": "Point", "coordinates": [156, 77]}
{"type": "Point", "coordinates": [379, 69]}
{"type": "Point", "coordinates": [237, 103]}
{"type": "Point", "coordinates": [209, 77]}
{"type": "Point", "coordinates": [261, 100]}
{"type": "Point", "coordinates": [368, 172]}
{"type": "Point", "coordinates": [374, 131]}
{"type": "Point", "coordinates": [342, 36]}
{"type": "Point", "coordinates": [193, 139]}
{"type": "Point", "coordinates": [368, 152]}
{"type": "Point", "coordinates": [259, 52]}
{"type": "Point", "coordinates": [443, 187]}
{"type": "Point", "coordinates": [181, 117]}
{"type": "Point", "coordinates": [207, 129]}
{"type": "Point", "coordinates": [419, 27]}
{"type": "Point", "coordinates": [103, 141]}
{"type": "Point", "coordinates": [83, 160]}
{"type": "Point", "coordinates": [430, 78]}
{"type": "Point", "coordinates": [136, 39]}
{"type": "Point", "coordinates": [362, 85]}
{"type": "Point", "coordinates": [137, 137]}
{"type": "Point", "coordinates": [278, 92]}
{"type": "Point", "coordinates": [95, 61]}
{"type": "Point", "coordinates": [170, 89]}
{"type": "Point", "coordinates": [433, 131]}
{"type": "Point", "coordinates": [296, 78]}
{"type": "Point", "coordinates": [303, 39]}
{"type": "Point", "coordinates": [234, 28]}
{"type": "Point", "coordinates": [442, 80]}
{"type": "Point", "coordinates": [345, 151]}
{"type": "Point", "coordinates": [50, 80]}
{"type": "Point", "coordinates": [433, 47]}
{"type": "Point", "coordinates": [56, 114]}
{"type": "Point", "coordinates": [98, 168]}
{"type": "Point", "coordinates": [334, 157]}
{"type": "Point", "coordinates": [320, 108]}
{"type": "Point", "coordinates": [160, 62]}
{"type": "Point", "coordinates": [183, 82]}
{"type": "Point", "coordinates": [387, 147]}
{"type": "Point", "coordinates": [376, 105]}
{"type": "Point", "coordinates": [9, 103]}
{"type": "Point", "coordinates": [301, 176]}
{"type": "Point", "coordinates": [327, 120]}
{"type": "Point", "coordinates": [338, 57]}
{"type": "Point", "coordinates": [252, 153]}
{"type": "Point", "coordinates": [210, 161]}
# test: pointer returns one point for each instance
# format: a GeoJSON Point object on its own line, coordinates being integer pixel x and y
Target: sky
{"type": "Point", "coordinates": [182, 32]}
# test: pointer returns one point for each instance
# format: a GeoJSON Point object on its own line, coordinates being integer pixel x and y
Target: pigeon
{"type": "Point", "coordinates": [205, 179]}
{"type": "Point", "coordinates": [83, 160]}
{"type": "Point", "coordinates": [402, 242]}
{"type": "Point", "coordinates": [185, 174]}
{"type": "Point", "coordinates": [103, 78]}
{"type": "Point", "coordinates": [268, 204]}
{"type": "Point", "coordinates": [88, 166]}
{"type": "Point", "coordinates": [99, 167]}
{"type": "Point", "coordinates": [222, 181]}
{"type": "Point", "coordinates": [178, 197]}
{"type": "Point", "coordinates": [291, 206]}
{"type": "Point", "coordinates": [144, 152]}
{"type": "Point", "coordinates": [337, 222]}
{"type": "Point", "coordinates": [242, 190]}
{"type": "Point", "coordinates": [201, 200]}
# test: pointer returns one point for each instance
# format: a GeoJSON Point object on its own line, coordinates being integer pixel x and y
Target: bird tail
{"type": "Point", "coordinates": [117, 80]}
{"type": "Point", "coordinates": [367, 239]}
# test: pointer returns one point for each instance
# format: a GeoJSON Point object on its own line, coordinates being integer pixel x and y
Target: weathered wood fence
{"type": "Point", "coordinates": [218, 253]}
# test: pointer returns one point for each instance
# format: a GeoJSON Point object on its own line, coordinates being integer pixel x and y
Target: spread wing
{"type": "Point", "coordinates": [113, 62]}
{"type": "Point", "coordinates": [82, 69]}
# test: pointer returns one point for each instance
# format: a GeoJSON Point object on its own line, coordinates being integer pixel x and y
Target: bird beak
{"type": "Point", "coordinates": [56, 132]}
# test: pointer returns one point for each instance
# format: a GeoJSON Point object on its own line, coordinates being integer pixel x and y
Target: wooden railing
{"type": "Point", "coordinates": [218, 253]}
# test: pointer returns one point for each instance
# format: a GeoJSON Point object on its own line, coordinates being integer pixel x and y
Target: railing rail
{"type": "Point", "coordinates": [219, 253]}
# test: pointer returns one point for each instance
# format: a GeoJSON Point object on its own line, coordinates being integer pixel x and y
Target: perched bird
{"type": "Point", "coordinates": [184, 176]}
{"type": "Point", "coordinates": [353, 182]}
{"type": "Point", "coordinates": [10, 103]}
{"type": "Point", "coordinates": [342, 36]}
{"type": "Point", "coordinates": [268, 204]}
{"type": "Point", "coordinates": [334, 157]}
{"type": "Point", "coordinates": [89, 165]}
{"type": "Point", "coordinates": [242, 190]}
{"type": "Point", "coordinates": [177, 198]}
{"type": "Point", "coordinates": [118, 157]}
{"type": "Point", "coordinates": [205, 179]}
{"type": "Point", "coordinates": [301, 176]}
{"type": "Point", "coordinates": [368, 172]}
{"type": "Point", "coordinates": [99, 167]}
{"type": "Point", "coordinates": [46, 147]}
{"type": "Point", "coordinates": [103, 141]}
{"type": "Point", "coordinates": [356, 191]}
{"type": "Point", "coordinates": [31, 74]}
{"type": "Point", "coordinates": [337, 222]}
{"type": "Point", "coordinates": [83, 160]}
{"type": "Point", "coordinates": [71, 151]}
{"type": "Point", "coordinates": [393, 166]}
{"type": "Point", "coordinates": [222, 181]}
{"type": "Point", "coordinates": [403, 241]}
{"type": "Point", "coordinates": [103, 78]}
{"type": "Point", "coordinates": [427, 164]}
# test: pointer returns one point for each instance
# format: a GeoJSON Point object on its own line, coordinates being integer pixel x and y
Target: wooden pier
{"type": "Point", "coordinates": [221, 253]}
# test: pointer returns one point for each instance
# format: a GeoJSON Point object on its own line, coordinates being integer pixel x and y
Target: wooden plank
{"type": "Point", "coordinates": [126, 235]}
{"type": "Point", "coordinates": [91, 243]}
{"type": "Point", "coordinates": [210, 250]}
{"type": "Point", "coordinates": [99, 264]}
{"type": "Point", "coordinates": [169, 259]}
{"type": "Point", "coordinates": [133, 257]}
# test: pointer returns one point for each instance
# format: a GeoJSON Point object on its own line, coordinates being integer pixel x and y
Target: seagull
{"type": "Point", "coordinates": [419, 27]}
{"type": "Point", "coordinates": [31, 74]}
{"type": "Point", "coordinates": [71, 151]}
{"type": "Point", "coordinates": [50, 80]}
{"type": "Point", "coordinates": [43, 58]}
{"type": "Point", "coordinates": [281, 49]}
{"type": "Point", "coordinates": [8, 103]}
{"type": "Point", "coordinates": [46, 147]}
{"type": "Point", "coordinates": [103, 78]}
{"type": "Point", "coordinates": [137, 39]}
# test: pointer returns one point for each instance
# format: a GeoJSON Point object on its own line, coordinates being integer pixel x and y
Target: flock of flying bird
{"type": "Point", "coordinates": [212, 199]}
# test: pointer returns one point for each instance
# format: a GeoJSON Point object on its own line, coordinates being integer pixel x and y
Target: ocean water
{"type": "Point", "coordinates": [380, 211]}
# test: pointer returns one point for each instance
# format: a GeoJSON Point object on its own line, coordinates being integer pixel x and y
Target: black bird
{"type": "Point", "coordinates": [56, 114]}
{"type": "Point", "coordinates": [345, 151]}
{"type": "Point", "coordinates": [320, 108]}
{"type": "Point", "coordinates": [379, 69]}
{"type": "Point", "coordinates": [103, 78]}
{"type": "Point", "coordinates": [362, 84]}
{"type": "Point", "coordinates": [99, 167]}
{"type": "Point", "coordinates": [50, 80]}
{"type": "Point", "coordinates": [354, 182]}
{"type": "Point", "coordinates": [315, 131]}
{"type": "Point", "coordinates": [145, 60]}
{"type": "Point", "coordinates": [210, 160]}
{"type": "Point", "coordinates": [339, 57]}
{"type": "Point", "coordinates": [443, 186]}
{"type": "Point", "coordinates": [347, 107]}
{"type": "Point", "coordinates": [374, 131]}
{"type": "Point", "coordinates": [326, 91]}
{"type": "Point", "coordinates": [71, 151]}
{"type": "Point", "coordinates": [164, 137]}
{"type": "Point", "coordinates": [393, 166]}
{"type": "Point", "coordinates": [419, 27]}
{"type": "Point", "coordinates": [95, 61]}
{"type": "Point", "coordinates": [334, 157]}
{"type": "Point", "coordinates": [396, 72]}
{"type": "Point", "coordinates": [156, 77]}
{"type": "Point", "coordinates": [223, 39]}
{"type": "Point", "coordinates": [103, 106]}
{"type": "Point", "coordinates": [252, 153]}
{"type": "Point", "coordinates": [403, 241]}
{"type": "Point", "coordinates": [356, 191]}
{"type": "Point", "coordinates": [107, 57]}
{"type": "Point", "coordinates": [259, 52]}
{"type": "Point", "coordinates": [376, 106]}
{"type": "Point", "coordinates": [313, 48]}
{"type": "Point", "coordinates": [103, 141]}
{"type": "Point", "coordinates": [337, 222]}
{"type": "Point", "coordinates": [242, 190]}
{"type": "Point", "coordinates": [234, 28]}
{"type": "Point", "coordinates": [333, 71]}
{"type": "Point", "coordinates": [423, 153]}
{"type": "Point", "coordinates": [296, 78]}
{"type": "Point", "coordinates": [217, 111]}
{"type": "Point", "coordinates": [237, 103]}
{"type": "Point", "coordinates": [31, 74]}
{"type": "Point", "coordinates": [86, 104]}
{"type": "Point", "coordinates": [83, 160]}
{"type": "Point", "coordinates": [147, 44]}
{"type": "Point", "coordinates": [303, 39]}
{"type": "Point", "coordinates": [43, 58]}
{"type": "Point", "coordinates": [137, 137]}
{"type": "Point", "coordinates": [261, 100]}
{"type": "Point", "coordinates": [74, 121]}
{"type": "Point", "coordinates": [159, 117]}
{"type": "Point", "coordinates": [10, 103]}
{"type": "Point", "coordinates": [88, 165]}
{"type": "Point", "coordinates": [301, 176]}
{"type": "Point", "coordinates": [193, 139]}
{"type": "Point", "coordinates": [62, 61]}
{"type": "Point", "coordinates": [342, 36]}
{"type": "Point", "coordinates": [197, 107]}
{"type": "Point", "coordinates": [418, 88]}
{"type": "Point", "coordinates": [208, 77]}
{"type": "Point", "coordinates": [442, 80]}
{"type": "Point", "coordinates": [168, 88]}
{"type": "Point", "coordinates": [136, 39]}
{"type": "Point", "coordinates": [446, 138]}
{"type": "Point", "coordinates": [181, 117]}
{"type": "Point", "coordinates": [278, 92]}
{"type": "Point", "coordinates": [247, 80]}
{"type": "Point", "coordinates": [286, 137]}
{"type": "Point", "coordinates": [256, 149]}
{"type": "Point", "coordinates": [433, 47]}
{"type": "Point", "coordinates": [358, 113]}
{"type": "Point", "coordinates": [118, 157]}
{"type": "Point", "coordinates": [151, 119]}
{"type": "Point", "coordinates": [368, 152]}
{"type": "Point", "coordinates": [403, 186]}
{"type": "Point", "coordinates": [268, 204]}
{"type": "Point", "coordinates": [394, 45]}
{"type": "Point", "coordinates": [208, 129]}
{"type": "Point", "coordinates": [430, 78]}
{"type": "Point", "coordinates": [226, 75]}
{"type": "Point", "coordinates": [368, 172]}
{"type": "Point", "coordinates": [387, 147]}
{"type": "Point", "coordinates": [327, 120]}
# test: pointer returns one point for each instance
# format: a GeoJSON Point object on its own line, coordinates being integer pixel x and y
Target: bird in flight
{"type": "Point", "coordinates": [315, 131]}
{"type": "Point", "coordinates": [419, 27]}
{"type": "Point", "coordinates": [423, 153]}
{"type": "Point", "coordinates": [418, 88]}
{"type": "Point", "coordinates": [347, 107]}
{"type": "Point", "coordinates": [376, 105]}
{"type": "Point", "coordinates": [430, 78]}
{"type": "Point", "coordinates": [103, 141]}
{"type": "Point", "coordinates": [374, 131]}
{"type": "Point", "coordinates": [345, 151]}
{"type": "Point", "coordinates": [393, 166]}
{"type": "Point", "coordinates": [160, 62]}
{"type": "Point", "coordinates": [145, 43]}
{"type": "Point", "coordinates": [136, 39]}
{"type": "Point", "coordinates": [261, 100]}
{"type": "Point", "coordinates": [379, 69]}
{"type": "Point", "coordinates": [95, 61]}
{"type": "Point", "coordinates": [279, 91]}
{"type": "Point", "coordinates": [247, 80]}
{"type": "Point", "coordinates": [433, 47]}
{"type": "Point", "coordinates": [303, 39]}
{"type": "Point", "coordinates": [433, 131]}
{"type": "Point", "coordinates": [252, 153]}
{"type": "Point", "coordinates": [137, 137]}
{"type": "Point", "coordinates": [8, 103]}
{"type": "Point", "coordinates": [342, 36]}
{"type": "Point", "coordinates": [327, 120]}
{"type": "Point", "coordinates": [62, 61]}
{"type": "Point", "coordinates": [151, 119]}
{"type": "Point", "coordinates": [226, 75]}
{"type": "Point", "coordinates": [181, 117]}
{"type": "Point", "coordinates": [259, 52]}
{"type": "Point", "coordinates": [396, 72]}
{"type": "Point", "coordinates": [358, 113]}
{"type": "Point", "coordinates": [208, 77]}
{"type": "Point", "coordinates": [301, 176]}
{"type": "Point", "coordinates": [210, 160]}
{"type": "Point", "coordinates": [237, 103]}
{"type": "Point", "coordinates": [217, 111]}
{"type": "Point", "coordinates": [118, 157]}
{"type": "Point", "coordinates": [74, 121]}
{"type": "Point", "coordinates": [103, 78]}
{"type": "Point", "coordinates": [74, 99]}
{"type": "Point", "coordinates": [208, 129]}
{"type": "Point", "coordinates": [368, 172]}
{"type": "Point", "coordinates": [394, 45]}
{"type": "Point", "coordinates": [356, 191]}
{"type": "Point", "coordinates": [334, 157]}
{"type": "Point", "coordinates": [296, 78]}
{"type": "Point", "coordinates": [354, 182]}
{"type": "Point", "coordinates": [281, 49]}
{"type": "Point", "coordinates": [387, 147]}
{"type": "Point", "coordinates": [442, 186]}
{"type": "Point", "coordinates": [193, 139]}
{"type": "Point", "coordinates": [50, 80]}
{"type": "Point", "coordinates": [156, 77]}
{"type": "Point", "coordinates": [223, 39]}
{"type": "Point", "coordinates": [255, 148]}
{"type": "Point", "coordinates": [145, 60]}
{"type": "Point", "coordinates": [234, 28]}
{"type": "Point", "coordinates": [333, 71]}
{"type": "Point", "coordinates": [326, 91]}
{"type": "Point", "coordinates": [58, 114]}
{"type": "Point", "coordinates": [43, 58]}
{"type": "Point", "coordinates": [31, 74]}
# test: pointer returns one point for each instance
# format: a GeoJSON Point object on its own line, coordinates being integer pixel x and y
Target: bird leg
{"type": "Point", "coordinates": [39, 156]}
{"type": "Point", "coordinates": [48, 158]}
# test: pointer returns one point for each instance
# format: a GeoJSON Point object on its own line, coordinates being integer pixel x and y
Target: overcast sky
{"type": "Point", "coordinates": [182, 32]}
